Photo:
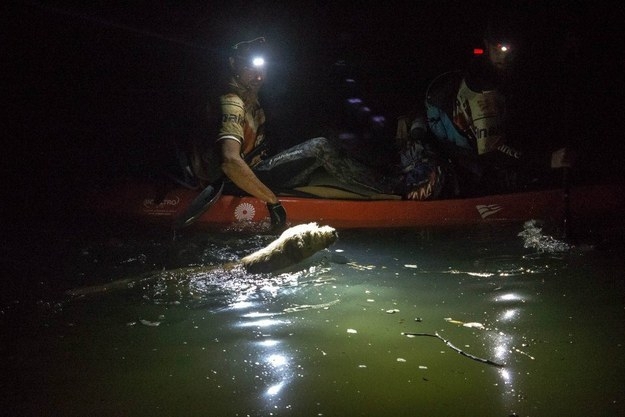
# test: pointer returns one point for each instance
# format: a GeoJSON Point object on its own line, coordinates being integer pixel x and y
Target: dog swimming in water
{"type": "Point", "coordinates": [291, 247]}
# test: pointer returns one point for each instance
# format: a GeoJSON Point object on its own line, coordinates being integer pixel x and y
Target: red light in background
{"type": "Point", "coordinates": [478, 51]}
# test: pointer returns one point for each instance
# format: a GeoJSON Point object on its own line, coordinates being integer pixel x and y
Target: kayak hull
{"type": "Point", "coordinates": [150, 202]}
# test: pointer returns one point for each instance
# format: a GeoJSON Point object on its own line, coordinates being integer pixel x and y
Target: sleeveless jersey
{"type": "Point", "coordinates": [481, 113]}
{"type": "Point", "coordinates": [241, 120]}
{"type": "Point", "coordinates": [469, 119]}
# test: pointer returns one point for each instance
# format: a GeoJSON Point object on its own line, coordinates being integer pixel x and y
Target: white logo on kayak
{"type": "Point", "coordinates": [165, 207]}
{"type": "Point", "coordinates": [488, 210]}
{"type": "Point", "coordinates": [244, 211]}
{"type": "Point", "coordinates": [171, 202]}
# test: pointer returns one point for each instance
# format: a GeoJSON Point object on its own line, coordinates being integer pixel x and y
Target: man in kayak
{"type": "Point", "coordinates": [239, 151]}
{"type": "Point", "coordinates": [467, 113]}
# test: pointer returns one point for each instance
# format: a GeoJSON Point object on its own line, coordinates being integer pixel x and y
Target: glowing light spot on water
{"type": "Point", "coordinates": [480, 274]}
{"type": "Point", "coordinates": [509, 314]}
{"type": "Point", "coordinates": [277, 360]}
{"type": "Point", "coordinates": [506, 376]}
{"type": "Point", "coordinates": [509, 297]}
{"type": "Point", "coordinates": [263, 323]}
{"type": "Point", "coordinates": [257, 314]}
{"type": "Point", "coordinates": [269, 343]}
{"type": "Point", "coordinates": [241, 305]}
{"type": "Point", "coordinates": [275, 389]}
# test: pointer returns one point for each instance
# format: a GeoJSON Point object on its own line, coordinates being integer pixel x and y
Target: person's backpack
{"type": "Point", "coordinates": [439, 100]}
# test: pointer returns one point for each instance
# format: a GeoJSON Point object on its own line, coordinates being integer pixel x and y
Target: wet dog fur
{"type": "Point", "coordinates": [293, 246]}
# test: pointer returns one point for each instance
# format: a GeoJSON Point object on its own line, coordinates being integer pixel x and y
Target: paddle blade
{"type": "Point", "coordinates": [202, 202]}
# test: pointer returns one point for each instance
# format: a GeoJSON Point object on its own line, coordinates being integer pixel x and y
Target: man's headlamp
{"type": "Point", "coordinates": [503, 47]}
{"type": "Point", "coordinates": [250, 53]}
{"type": "Point", "coordinates": [258, 62]}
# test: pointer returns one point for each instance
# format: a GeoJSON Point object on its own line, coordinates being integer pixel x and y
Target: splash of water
{"type": "Point", "coordinates": [534, 238]}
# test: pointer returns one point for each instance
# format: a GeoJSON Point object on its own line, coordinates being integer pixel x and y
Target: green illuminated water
{"type": "Point", "coordinates": [323, 338]}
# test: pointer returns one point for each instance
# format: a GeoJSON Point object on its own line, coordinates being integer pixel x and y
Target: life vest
{"type": "Point", "coordinates": [480, 113]}
{"type": "Point", "coordinates": [468, 119]}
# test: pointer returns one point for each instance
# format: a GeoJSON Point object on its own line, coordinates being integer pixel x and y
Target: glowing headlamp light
{"type": "Point", "coordinates": [503, 47]}
{"type": "Point", "coordinates": [249, 53]}
{"type": "Point", "coordinates": [257, 62]}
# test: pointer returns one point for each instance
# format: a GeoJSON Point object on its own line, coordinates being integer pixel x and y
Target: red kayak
{"type": "Point", "coordinates": [148, 202]}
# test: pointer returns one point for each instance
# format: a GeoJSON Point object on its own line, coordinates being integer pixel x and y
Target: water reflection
{"type": "Point", "coordinates": [509, 314]}
{"type": "Point", "coordinates": [509, 297]}
{"type": "Point", "coordinates": [268, 343]}
{"type": "Point", "coordinates": [239, 305]}
{"type": "Point", "coordinates": [506, 376]}
{"type": "Point", "coordinates": [263, 323]}
{"type": "Point", "coordinates": [272, 357]}
{"type": "Point", "coordinates": [275, 389]}
{"type": "Point", "coordinates": [262, 345]}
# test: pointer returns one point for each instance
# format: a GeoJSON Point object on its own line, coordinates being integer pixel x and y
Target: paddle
{"type": "Point", "coordinates": [199, 205]}
{"type": "Point", "coordinates": [209, 195]}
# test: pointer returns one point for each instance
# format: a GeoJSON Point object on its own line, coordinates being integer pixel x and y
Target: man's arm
{"type": "Point", "coordinates": [235, 168]}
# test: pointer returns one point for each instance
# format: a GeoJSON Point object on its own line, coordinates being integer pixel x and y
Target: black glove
{"type": "Point", "coordinates": [277, 214]}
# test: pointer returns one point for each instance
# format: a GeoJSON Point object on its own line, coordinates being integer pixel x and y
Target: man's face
{"type": "Point", "coordinates": [500, 55]}
{"type": "Point", "coordinates": [248, 74]}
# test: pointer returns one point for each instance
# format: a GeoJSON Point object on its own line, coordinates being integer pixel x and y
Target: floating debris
{"type": "Point", "coordinates": [352, 331]}
{"type": "Point", "coordinates": [523, 353]}
{"type": "Point", "coordinates": [423, 367]}
{"type": "Point", "coordinates": [401, 360]}
{"type": "Point", "coordinates": [474, 325]}
{"type": "Point", "coordinates": [150, 323]}
{"type": "Point", "coordinates": [413, 266]}
{"type": "Point", "coordinates": [359, 267]}
{"type": "Point", "coordinates": [448, 343]}
{"type": "Point", "coordinates": [392, 311]}
{"type": "Point", "coordinates": [303, 307]}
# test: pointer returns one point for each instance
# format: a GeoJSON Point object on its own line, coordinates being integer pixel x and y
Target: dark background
{"type": "Point", "coordinates": [97, 90]}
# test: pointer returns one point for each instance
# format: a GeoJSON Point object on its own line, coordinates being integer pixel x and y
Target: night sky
{"type": "Point", "coordinates": [95, 90]}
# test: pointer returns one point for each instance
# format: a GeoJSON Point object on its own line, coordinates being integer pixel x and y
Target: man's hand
{"type": "Point", "coordinates": [277, 214]}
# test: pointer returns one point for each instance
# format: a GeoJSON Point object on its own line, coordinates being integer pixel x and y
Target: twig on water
{"type": "Point", "coordinates": [460, 351]}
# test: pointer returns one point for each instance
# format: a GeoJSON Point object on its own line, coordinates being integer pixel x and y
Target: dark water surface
{"type": "Point", "coordinates": [325, 338]}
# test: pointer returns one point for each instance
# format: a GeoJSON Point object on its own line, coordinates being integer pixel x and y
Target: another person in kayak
{"type": "Point", "coordinates": [467, 114]}
{"type": "Point", "coordinates": [239, 150]}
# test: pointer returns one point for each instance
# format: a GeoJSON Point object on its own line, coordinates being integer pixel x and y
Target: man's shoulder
{"type": "Point", "coordinates": [231, 100]}
{"type": "Point", "coordinates": [231, 96]}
